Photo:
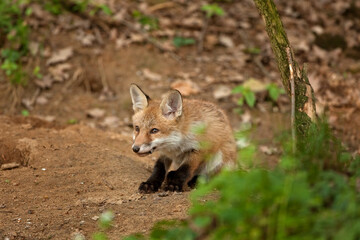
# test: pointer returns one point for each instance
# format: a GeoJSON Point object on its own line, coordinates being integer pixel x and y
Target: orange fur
{"type": "Point", "coordinates": [175, 121]}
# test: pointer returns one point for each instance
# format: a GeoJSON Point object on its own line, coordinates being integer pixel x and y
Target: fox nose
{"type": "Point", "coordinates": [136, 148]}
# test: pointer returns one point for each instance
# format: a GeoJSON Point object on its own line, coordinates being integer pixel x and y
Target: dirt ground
{"type": "Point", "coordinates": [75, 164]}
{"type": "Point", "coordinates": [68, 177]}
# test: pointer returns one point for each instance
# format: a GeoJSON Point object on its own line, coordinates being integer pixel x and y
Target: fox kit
{"type": "Point", "coordinates": [171, 127]}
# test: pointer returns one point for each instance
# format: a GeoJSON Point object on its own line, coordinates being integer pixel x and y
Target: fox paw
{"type": "Point", "coordinates": [173, 188]}
{"type": "Point", "coordinates": [173, 182]}
{"type": "Point", "coordinates": [148, 187]}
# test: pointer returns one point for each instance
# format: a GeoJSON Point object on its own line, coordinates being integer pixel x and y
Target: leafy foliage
{"type": "Point", "coordinates": [300, 199]}
{"type": "Point", "coordinates": [212, 9]}
{"type": "Point", "coordinates": [105, 221]}
{"type": "Point", "coordinates": [274, 91]}
{"type": "Point", "coordinates": [148, 22]}
{"type": "Point", "coordinates": [246, 94]}
{"type": "Point", "coordinates": [13, 26]}
{"type": "Point", "coordinates": [181, 41]}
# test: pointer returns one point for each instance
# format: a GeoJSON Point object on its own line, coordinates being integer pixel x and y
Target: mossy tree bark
{"type": "Point", "coordinates": [305, 111]}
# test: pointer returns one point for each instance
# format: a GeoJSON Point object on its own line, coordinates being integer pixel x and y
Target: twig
{"type": "Point", "coordinates": [292, 86]}
{"type": "Point", "coordinates": [103, 76]}
{"type": "Point", "coordinates": [202, 35]}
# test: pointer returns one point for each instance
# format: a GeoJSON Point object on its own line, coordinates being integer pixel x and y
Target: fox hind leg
{"type": "Point", "coordinates": [157, 177]}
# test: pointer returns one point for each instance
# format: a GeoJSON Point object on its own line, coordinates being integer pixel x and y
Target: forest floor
{"type": "Point", "coordinates": [74, 150]}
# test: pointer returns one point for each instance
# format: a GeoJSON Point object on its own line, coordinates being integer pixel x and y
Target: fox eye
{"type": "Point", "coordinates": [154, 130]}
{"type": "Point", "coordinates": [137, 129]}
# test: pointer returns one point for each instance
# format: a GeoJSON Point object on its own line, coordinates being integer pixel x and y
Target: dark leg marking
{"type": "Point", "coordinates": [176, 179]}
{"type": "Point", "coordinates": [157, 177]}
{"type": "Point", "coordinates": [192, 182]}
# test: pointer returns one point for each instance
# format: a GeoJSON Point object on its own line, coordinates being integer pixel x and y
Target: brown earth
{"type": "Point", "coordinates": [68, 177]}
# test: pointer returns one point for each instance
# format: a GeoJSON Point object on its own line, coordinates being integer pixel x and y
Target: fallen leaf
{"type": "Point", "coordinates": [221, 92]}
{"type": "Point", "coordinates": [60, 56]}
{"type": "Point", "coordinates": [95, 113]}
{"type": "Point", "coordinates": [59, 73]}
{"type": "Point", "coordinates": [254, 85]}
{"type": "Point", "coordinates": [185, 87]}
{"type": "Point", "coordinates": [34, 48]}
{"type": "Point", "coordinates": [41, 100]}
{"type": "Point", "coordinates": [226, 41]}
{"type": "Point", "coordinates": [151, 75]}
{"type": "Point", "coordinates": [44, 83]}
{"type": "Point", "coordinates": [111, 122]}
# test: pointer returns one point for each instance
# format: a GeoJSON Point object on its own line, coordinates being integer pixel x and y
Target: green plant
{"type": "Point", "coordinates": [246, 94]}
{"type": "Point", "coordinates": [105, 221]}
{"type": "Point", "coordinates": [302, 198]}
{"type": "Point", "coordinates": [36, 72]}
{"type": "Point", "coordinates": [25, 112]}
{"type": "Point", "coordinates": [181, 41]}
{"type": "Point", "coordinates": [54, 6]}
{"type": "Point", "coordinates": [274, 91]}
{"type": "Point", "coordinates": [253, 50]}
{"type": "Point", "coordinates": [212, 9]}
{"type": "Point", "coordinates": [102, 7]}
{"type": "Point", "coordinates": [72, 121]}
{"type": "Point", "coordinates": [14, 27]}
{"type": "Point", "coordinates": [148, 22]}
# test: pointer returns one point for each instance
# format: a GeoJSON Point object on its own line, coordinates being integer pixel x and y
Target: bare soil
{"type": "Point", "coordinates": [68, 177]}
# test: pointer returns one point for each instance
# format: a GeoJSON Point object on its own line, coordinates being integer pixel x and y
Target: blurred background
{"type": "Point", "coordinates": [73, 61]}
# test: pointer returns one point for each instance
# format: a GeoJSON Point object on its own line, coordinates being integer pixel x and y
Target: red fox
{"type": "Point", "coordinates": [171, 127]}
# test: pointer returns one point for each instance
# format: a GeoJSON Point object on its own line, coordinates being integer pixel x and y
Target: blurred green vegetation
{"type": "Point", "coordinates": [313, 194]}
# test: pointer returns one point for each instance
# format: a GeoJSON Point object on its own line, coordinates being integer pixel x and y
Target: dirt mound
{"type": "Point", "coordinates": [73, 174]}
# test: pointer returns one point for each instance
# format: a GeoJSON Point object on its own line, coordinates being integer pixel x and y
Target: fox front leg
{"type": "Point", "coordinates": [186, 173]}
{"type": "Point", "coordinates": [157, 177]}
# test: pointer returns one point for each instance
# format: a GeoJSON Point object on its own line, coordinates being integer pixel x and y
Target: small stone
{"type": "Point", "coordinates": [95, 218]}
{"type": "Point", "coordinates": [163, 194]}
{"type": "Point", "coordinates": [8, 166]}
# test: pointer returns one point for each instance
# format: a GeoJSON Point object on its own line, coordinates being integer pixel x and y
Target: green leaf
{"type": "Point", "coordinates": [274, 91]}
{"type": "Point", "coordinates": [9, 66]}
{"type": "Point", "coordinates": [146, 21]}
{"type": "Point", "coordinates": [238, 89]}
{"type": "Point", "coordinates": [106, 9]}
{"type": "Point", "coordinates": [253, 50]}
{"type": "Point", "coordinates": [212, 9]}
{"type": "Point", "coordinates": [249, 97]}
{"type": "Point", "coordinates": [28, 11]}
{"type": "Point", "coordinates": [202, 221]}
{"type": "Point", "coordinates": [181, 41]}
{"type": "Point", "coordinates": [25, 112]}
{"type": "Point", "coordinates": [72, 121]}
{"type": "Point", "coordinates": [100, 236]}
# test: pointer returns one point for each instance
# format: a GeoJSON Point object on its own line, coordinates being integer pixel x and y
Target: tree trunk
{"type": "Point", "coordinates": [305, 111]}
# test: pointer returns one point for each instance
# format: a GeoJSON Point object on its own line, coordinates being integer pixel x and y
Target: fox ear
{"type": "Point", "coordinates": [139, 99]}
{"type": "Point", "coordinates": [171, 105]}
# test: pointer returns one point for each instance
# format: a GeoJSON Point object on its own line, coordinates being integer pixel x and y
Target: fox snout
{"type": "Point", "coordinates": [136, 149]}
{"type": "Point", "coordinates": [143, 149]}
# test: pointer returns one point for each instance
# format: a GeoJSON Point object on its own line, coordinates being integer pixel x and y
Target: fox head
{"type": "Point", "coordinates": [155, 122]}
